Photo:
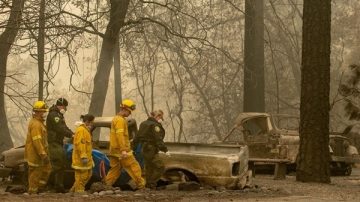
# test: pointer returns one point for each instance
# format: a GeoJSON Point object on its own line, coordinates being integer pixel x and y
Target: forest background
{"type": "Point", "coordinates": [185, 57]}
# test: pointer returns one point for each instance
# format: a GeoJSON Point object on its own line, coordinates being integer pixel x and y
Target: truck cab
{"type": "Point", "coordinates": [269, 144]}
{"type": "Point", "coordinates": [265, 141]}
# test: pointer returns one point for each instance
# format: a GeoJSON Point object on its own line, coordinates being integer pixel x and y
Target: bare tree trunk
{"type": "Point", "coordinates": [314, 156]}
{"type": "Point", "coordinates": [7, 38]}
{"type": "Point", "coordinates": [117, 76]}
{"type": "Point", "coordinates": [101, 80]}
{"type": "Point", "coordinates": [41, 49]}
{"type": "Point", "coordinates": [254, 83]}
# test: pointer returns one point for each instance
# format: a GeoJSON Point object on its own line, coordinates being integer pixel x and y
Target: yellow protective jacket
{"type": "Point", "coordinates": [82, 149]}
{"type": "Point", "coordinates": [36, 142]}
{"type": "Point", "coordinates": [119, 136]}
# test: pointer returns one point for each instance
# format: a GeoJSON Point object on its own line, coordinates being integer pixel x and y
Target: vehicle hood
{"type": "Point", "coordinates": [10, 151]}
{"type": "Point", "coordinates": [14, 156]}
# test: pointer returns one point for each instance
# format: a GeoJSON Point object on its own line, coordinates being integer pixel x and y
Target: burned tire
{"type": "Point", "coordinates": [184, 180]}
{"type": "Point", "coordinates": [179, 176]}
{"type": "Point", "coordinates": [340, 169]}
{"type": "Point", "coordinates": [347, 170]}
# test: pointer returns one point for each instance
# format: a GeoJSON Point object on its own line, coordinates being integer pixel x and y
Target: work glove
{"type": "Point", "coordinates": [84, 161]}
{"type": "Point", "coordinates": [166, 153]}
{"type": "Point", "coordinates": [124, 155]}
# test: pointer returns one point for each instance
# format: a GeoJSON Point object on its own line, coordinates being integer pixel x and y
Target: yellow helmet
{"type": "Point", "coordinates": [40, 106]}
{"type": "Point", "coordinates": [128, 104]}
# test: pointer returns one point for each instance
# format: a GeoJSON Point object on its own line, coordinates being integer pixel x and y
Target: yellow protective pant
{"type": "Point", "coordinates": [38, 177]}
{"type": "Point", "coordinates": [130, 165]}
{"type": "Point", "coordinates": [81, 178]}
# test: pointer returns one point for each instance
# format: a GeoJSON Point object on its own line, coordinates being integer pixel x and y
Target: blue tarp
{"type": "Point", "coordinates": [102, 163]}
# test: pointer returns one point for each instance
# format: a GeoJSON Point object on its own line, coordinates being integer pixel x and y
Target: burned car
{"type": "Point", "coordinates": [269, 144]}
{"type": "Point", "coordinates": [216, 165]}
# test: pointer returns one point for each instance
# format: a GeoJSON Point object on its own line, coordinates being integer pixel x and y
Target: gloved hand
{"type": "Point", "coordinates": [166, 153]}
{"type": "Point", "coordinates": [84, 161]}
{"type": "Point", "coordinates": [124, 155]}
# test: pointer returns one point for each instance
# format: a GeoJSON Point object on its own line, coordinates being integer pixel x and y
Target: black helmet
{"type": "Point", "coordinates": [62, 102]}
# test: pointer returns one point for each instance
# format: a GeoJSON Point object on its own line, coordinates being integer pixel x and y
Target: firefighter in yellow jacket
{"type": "Point", "coordinates": [120, 153]}
{"type": "Point", "coordinates": [36, 149]}
{"type": "Point", "coordinates": [82, 160]}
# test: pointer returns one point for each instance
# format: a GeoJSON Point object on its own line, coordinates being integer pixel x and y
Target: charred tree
{"type": "Point", "coordinates": [254, 83]}
{"type": "Point", "coordinates": [7, 38]}
{"type": "Point", "coordinates": [41, 49]}
{"type": "Point", "coordinates": [117, 76]}
{"type": "Point", "coordinates": [314, 156]}
{"type": "Point", "coordinates": [101, 80]}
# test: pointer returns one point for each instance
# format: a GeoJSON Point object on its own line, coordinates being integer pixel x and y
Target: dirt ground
{"type": "Point", "coordinates": [344, 188]}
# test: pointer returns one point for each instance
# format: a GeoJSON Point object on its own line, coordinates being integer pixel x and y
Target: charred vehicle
{"type": "Point", "coordinates": [216, 165]}
{"type": "Point", "coordinates": [269, 144]}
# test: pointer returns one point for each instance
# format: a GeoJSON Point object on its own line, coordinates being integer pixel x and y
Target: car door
{"type": "Point", "coordinates": [256, 135]}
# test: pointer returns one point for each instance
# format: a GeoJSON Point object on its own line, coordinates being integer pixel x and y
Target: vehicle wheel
{"type": "Point", "coordinates": [178, 176]}
{"type": "Point", "coordinates": [186, 181]}
{"type": "Point", "coordinates": [340, 169]}
{"type": "Point", "coordinates": [347, 170]}
{"type": "Point", "coordinates": [246, 181]}
{"type": "Point", "coordinates": [291, 168]}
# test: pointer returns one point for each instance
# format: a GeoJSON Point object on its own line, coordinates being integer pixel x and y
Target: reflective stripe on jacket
{"type": "Point", "coordinates": [119, 136]}
{"type": "Point", "coordinates": [82, 149]}
{"type": "Point", "coordinates": [36, 142]}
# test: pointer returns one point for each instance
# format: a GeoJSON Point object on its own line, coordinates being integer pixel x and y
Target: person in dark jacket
{"type": "Point", "coordinates": [57, 130]}
{"type": "Point", "coordinates": [151, 135]}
